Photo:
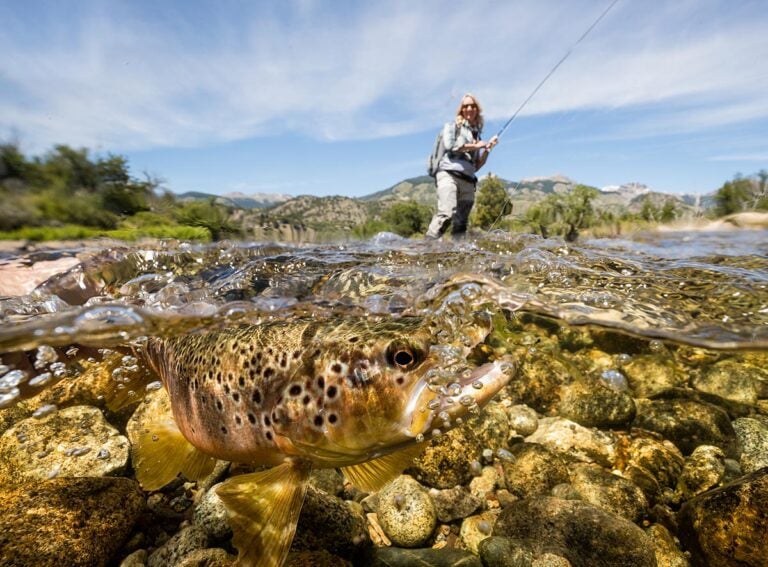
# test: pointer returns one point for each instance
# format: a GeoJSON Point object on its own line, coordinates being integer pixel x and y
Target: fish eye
{"type": "Point", "coordinates": [403, 356]}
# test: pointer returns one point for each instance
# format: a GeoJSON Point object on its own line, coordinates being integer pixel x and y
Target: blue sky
{"type": "Point", "coordinates": [344, 97]}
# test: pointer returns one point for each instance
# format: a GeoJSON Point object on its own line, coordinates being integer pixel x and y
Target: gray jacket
{"type": "Point", "coordinates": [455, 137]}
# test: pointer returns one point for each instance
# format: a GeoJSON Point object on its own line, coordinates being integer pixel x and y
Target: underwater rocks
{"type": "Point", "coordinates": [406, 512]}
{"type": "Point", "coordinates": [728, 526]}
{"type": "Point", "coordinates": [68, 521]}
{"type": "Point", "coordinates": [581, 533]}
{"type": "Point", "coordinates": [71, 442]}
{"type": "Point", "coordinates": [687, 424]}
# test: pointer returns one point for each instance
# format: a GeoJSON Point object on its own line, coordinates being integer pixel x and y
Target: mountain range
{"type": "Point", "coordinates": [341, 214]}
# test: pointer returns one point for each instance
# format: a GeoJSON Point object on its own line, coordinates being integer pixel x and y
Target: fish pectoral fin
{"type": "Point", "coordinates": [263, 509]}
{"type": "Point", "coordinates": [162, 452]}
{"type": "Point", "coordinates": [374, 474]}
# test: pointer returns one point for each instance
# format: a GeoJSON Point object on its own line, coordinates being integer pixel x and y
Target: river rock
{"type": "Point", "coordinates": [731, 380]}
{"type": "Point", "coordinates": [486, 483]}
{"type": "Point", "coordinates": [523, 420]}
{"type": "Point", "coordinates": [668, 553]}
{"type": "Point", "coordinates": [687, 424]}
{"type": "Point", "coordinates": [454, 503]}
{"type": "Point", "coordinates": [497, 551]}
{"type": "Point", "coordinates": [75, 441]}
{"type": "Point", "coordinates": [752, 435]}
{"type": "Point", "coordinates": [396, 557]}
{"type": "Point", "coordinates": [475, 529]}
{"type": "Point", "coordinates": [447, 460]}
{"type": "Point", "coordinates": [728, 526]}
{"type": "Point", "coordinates": [67, 521]}
{"type": "Point", "coordinates": [534, 471]}
{"type": "Point", "coordinates": [648, 375]}
{"type": "Point", "coordinates": [209, 557]}
{"type": "Point", "coordinates": [173, 551]}
{"type": "Point", "coordinates": [596, 405]}
{"type": "Point", "coordinates": [327, 522]}
{"type": "Point", "coordinates": [211, 515]}
{"type": "Point", "coordinates": [574, 442]}
{"type": "Point", "coordinates": [314, 559]}
{"type": "Point", "coordinates": [491, 427]}
{"type": "Point", "coordinates": [406, 512]}
{"type": "Point", "coordinates": [610, 492]}
{"type": "Point", "coordinates": [703, 470]}
{"type": "Point", "coordinates": [585, 535]}
{"type": "Point", "coordinates": [538, 383]}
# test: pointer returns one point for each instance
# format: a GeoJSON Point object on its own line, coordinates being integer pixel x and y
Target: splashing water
{"type": "Point", "coordinates": [693, 293]}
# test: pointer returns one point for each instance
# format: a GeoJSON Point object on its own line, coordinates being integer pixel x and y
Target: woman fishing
{"type": "Point", "coordinates": [465, 154]}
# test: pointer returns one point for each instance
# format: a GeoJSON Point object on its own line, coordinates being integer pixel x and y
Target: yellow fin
{"type": "Point", "coordinates": [263, 510]}
{"type": "Point", "coordinates": [162, 452]}
{"type": "Point", "coordinates": [373, 475]}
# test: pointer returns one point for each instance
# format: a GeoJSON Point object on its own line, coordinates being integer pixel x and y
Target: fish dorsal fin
{"type": "Point", "coordinates": [263, 509]}
{"type": "Point", "coordinates": [373, 475]}
{"type": "Point", "coordinates": [162, 452]}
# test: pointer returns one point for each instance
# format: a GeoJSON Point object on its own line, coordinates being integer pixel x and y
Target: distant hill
{"type": "Point", "coordinates": [309, 217]}
{"type": "Point", "coordinates": [239, 200]}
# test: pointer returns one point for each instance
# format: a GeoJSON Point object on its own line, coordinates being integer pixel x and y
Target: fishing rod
{"type": "Point", "coordinates": [544, 80]}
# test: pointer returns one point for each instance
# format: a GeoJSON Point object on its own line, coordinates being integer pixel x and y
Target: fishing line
{"type": "Point", "coordinates": [544, 80]}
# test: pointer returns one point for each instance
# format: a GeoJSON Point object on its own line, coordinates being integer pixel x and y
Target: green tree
{"type": "Point", "coordinates": [564, 214]}
{"type": "Point", "coordinates": [668, 211]}
{"type": "Point", "coordinates": [407, 218]}
{"type": "Point", "coordinates": [733, 196]}
{"type": "Point", "coordinates": [207, 214]}
{"type": "Point", "coordinates": [491, 203]}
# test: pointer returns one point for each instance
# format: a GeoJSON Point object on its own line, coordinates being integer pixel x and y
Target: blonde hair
{"type": "Point", "coordinates": [461, 120]}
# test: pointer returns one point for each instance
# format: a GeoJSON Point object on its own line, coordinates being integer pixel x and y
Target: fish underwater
{"type": "Point", "coordinates": [355, 393]}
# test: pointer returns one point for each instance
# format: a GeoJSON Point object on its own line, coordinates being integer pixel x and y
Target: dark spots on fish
{"type": "Point", "coordinates": [306, 400]}
{"type": "Point", "coordinates": [238, 420]}
{"type": "Point", "coordinates": [256, 396]}
{"type": "Point", "coordinates": [269, 435]}
{"type": "Point", "coordinates": [270, 351]}
{"type": "Point", "coordinates": [333, 418]}
{"type": "Point", "coordinates": [219, 405]}
{"type": "Point", "coordinates": [267, 421]}
{"type": "Point", "coordinates": [336, 367]}
{"type": "Point", "coordinates": [254, 372]}
{"type": "Point", "coordinates": [331, 391]}
{"type": "Point", "coordinates": [320, 382]}
{"type": "Point", "coordinates": [400, 380]}
{"type": "Point", "coordinates": [353, 340]}
{"type": "Point", "coordinates": [241, 381]}
{"type": "Point", "coordinates": [296, 354]}
{"type": "Point", "coordinates": [230, 377]}
{"type": "Point", "coordinates": [318, 420]}
{"type": "Point", "coordinates": [224, 430]}
{"type": "Point", "coordinates": [218, 377]}
{"type": "Point", "coordinates": [252, 418]}
{"type": "Point", "coordinates": [226, 389]}
{"type": "Point", "coordinates": [236, 397]}
{"type": "Point", "coordinates": [284, 360]}
{"type": "Point", "coordinates": [295, 390]}
{"type": "Point", "coordinates": [269, 372]}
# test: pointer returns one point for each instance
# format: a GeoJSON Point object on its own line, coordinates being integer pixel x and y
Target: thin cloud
{"type": "Point", "coordinates": [126, 79]}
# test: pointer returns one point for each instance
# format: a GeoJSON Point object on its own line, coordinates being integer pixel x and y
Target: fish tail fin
{"type": "Point", "coordinates": [162, 452]}
{"type": "Point", "coordinates": [263, 510]}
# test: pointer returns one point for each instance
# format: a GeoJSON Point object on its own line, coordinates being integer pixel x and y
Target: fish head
{"type": "Point", "coordinates": [387, 384]}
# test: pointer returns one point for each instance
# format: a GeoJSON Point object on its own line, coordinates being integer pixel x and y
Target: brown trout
{"type": "Point", "coordinates": [347, 393]}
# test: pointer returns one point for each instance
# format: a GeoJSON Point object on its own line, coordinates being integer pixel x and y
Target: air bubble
{"type": "Point", "coordinates": [154, 386]}
{"type": "Point", "coordinates": [44, 411]}
{"type": "Point", "coordinates": [41, 379]}
{"type": "Point", "coordinates": [505, 455]}
{"type": "Point", "coordinates": [477, 385]}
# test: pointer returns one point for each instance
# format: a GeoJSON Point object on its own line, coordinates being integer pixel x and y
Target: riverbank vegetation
{"type": "Point", "coordinates": [70, 194]}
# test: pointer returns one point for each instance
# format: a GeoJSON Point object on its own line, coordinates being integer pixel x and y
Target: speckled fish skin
{"type": "Point", "coordinates": [335, 393]}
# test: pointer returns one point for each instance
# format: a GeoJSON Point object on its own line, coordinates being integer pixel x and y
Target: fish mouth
{"type": "Point", "coordinates": [435, 409]}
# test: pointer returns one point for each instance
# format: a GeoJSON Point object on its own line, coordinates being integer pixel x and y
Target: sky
{"type": "Point", "coordinates": [339, 97]}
